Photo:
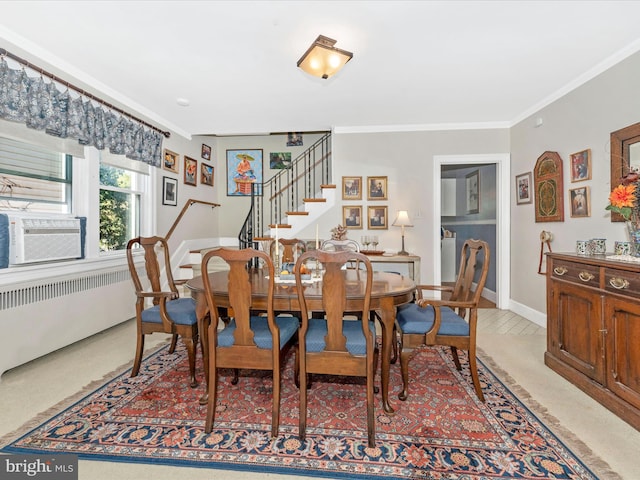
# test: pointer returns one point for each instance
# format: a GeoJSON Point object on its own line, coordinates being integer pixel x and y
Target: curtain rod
{"type": "Point", "coordinates": [81, 91]}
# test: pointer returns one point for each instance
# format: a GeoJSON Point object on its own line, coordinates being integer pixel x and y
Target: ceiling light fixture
{"type": "Point", "coordinates": [322, 59]}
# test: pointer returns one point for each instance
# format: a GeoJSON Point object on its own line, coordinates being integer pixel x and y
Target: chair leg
{"type": "Point", "coordinates": [275, 411]}
{"type": "Point", "coordinates": [303, 408]}
{"type": "Point", "coordinates": [371, 419]}
{"type": "Point", "coordinates": [138, 358]}
{"type": "Point", "coordinates": [376, 356]}
{"type": "Point", "coordinates": [174, 342]}
{"type": "Point", "coordinates": [456, 360]}
{"type": "Point", "coordinates": [234, 379]}
{"type": "Point", "coordinates": [213, 388]}
{"type": "Point", "coordinates": [296, 367]}
{"type": "Point", "coordinates": [211, 401]}
{"type": "Point", "coordinates": [191, 343]}
{"type": "Point", "coordinates": [394, 345]}
{"type": "Point", "coordinates": [473, 366]}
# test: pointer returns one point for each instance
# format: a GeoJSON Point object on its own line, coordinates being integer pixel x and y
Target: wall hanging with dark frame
{"type": "Point", "coordinates": [169, 191]}
{"type": "Point", "coordinates": [549, 185]}
{"type": "Point", "coordinates": [472, 183]}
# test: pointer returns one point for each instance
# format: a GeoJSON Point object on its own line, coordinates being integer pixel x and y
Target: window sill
{"type": "Point", "coordinates": [42, 271]}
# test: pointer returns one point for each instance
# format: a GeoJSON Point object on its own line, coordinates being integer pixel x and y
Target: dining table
{"type": "Point", "coordinates": [389, 290]}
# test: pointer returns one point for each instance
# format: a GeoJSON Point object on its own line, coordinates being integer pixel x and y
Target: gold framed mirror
{"type": "Point", "coordinates": [625, 156]}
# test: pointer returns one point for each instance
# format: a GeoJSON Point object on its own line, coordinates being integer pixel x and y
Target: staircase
{"type": "Point", "coordinates": [292, 199]}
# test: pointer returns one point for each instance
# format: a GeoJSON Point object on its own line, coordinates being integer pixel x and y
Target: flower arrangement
{"type": "Point", "coordinates": [625, 198]}
{"type": "Point", "coordinates": [339, 233]}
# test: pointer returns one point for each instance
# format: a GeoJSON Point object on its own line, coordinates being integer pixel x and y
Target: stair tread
{"type": "Point", "coordinates": [328, 186]}
{"type": "Point", "coordinates": [296, 213]}
{"type": "Point", "coordinates": [280, 225]}
{"type": "Point", "coordinates": [309, 200]}
{"type": "Point", "coordinates": [262, 239]}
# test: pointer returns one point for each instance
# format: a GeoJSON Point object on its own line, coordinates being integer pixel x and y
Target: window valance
{"type": "Point", "coordinates": [63, 112]}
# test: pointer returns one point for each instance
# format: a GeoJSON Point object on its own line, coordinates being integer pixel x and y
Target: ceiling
{"type": "Point", "coordinates": [416, 64]}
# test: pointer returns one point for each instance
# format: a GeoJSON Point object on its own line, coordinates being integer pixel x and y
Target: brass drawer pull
{"type": "Point", "coordinates": [560, 270]}
{"type": "Point", "coordinates": [586, 276]}
{"type": "Point", "coordinates": [619, 283]}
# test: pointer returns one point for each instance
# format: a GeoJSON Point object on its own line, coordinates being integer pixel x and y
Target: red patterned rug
{"type": "Point", "coordinates": [441, 432]}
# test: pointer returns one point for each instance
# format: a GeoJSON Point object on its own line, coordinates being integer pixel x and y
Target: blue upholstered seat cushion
{"type": "Point", "coordinates": [261, 334]}
{"type": "Point", "coordinates": [181, 310]}
{"type": "Point", "coordinates": [415, 319]}
{"type": "Point", "coordinates": [356, 344]}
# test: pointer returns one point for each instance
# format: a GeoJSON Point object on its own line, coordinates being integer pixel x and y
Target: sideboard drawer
{"type": "Point", "coordinates": [579, 273]}
{"type": "Point", "coordinates": [622, 282]}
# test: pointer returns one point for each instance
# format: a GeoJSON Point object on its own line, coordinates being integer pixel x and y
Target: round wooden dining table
{"type": "Point", "coordinates": [388, 291]}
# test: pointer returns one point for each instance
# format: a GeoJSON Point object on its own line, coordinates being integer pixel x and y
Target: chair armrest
{"type": "Point", "coordinates": [433, 288]}
{"type": "Point", "coordinates": [423, 302]}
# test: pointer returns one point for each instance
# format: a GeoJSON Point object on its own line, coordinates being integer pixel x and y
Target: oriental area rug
{"type": "Point", "coordinates": [441, 432]}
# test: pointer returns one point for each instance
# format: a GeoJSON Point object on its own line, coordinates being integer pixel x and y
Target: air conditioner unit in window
{"type": "Point", "coordinates": [43, 239]}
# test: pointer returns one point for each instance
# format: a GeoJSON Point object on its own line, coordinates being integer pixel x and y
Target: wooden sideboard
{"type": "Point", "coordinates": [593, 328]}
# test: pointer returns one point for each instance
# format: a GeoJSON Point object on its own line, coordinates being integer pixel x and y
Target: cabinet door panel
{"type": "Point", "coordinates": [577, 319]}
{"type": "Point", "coordinates": [623, 349]}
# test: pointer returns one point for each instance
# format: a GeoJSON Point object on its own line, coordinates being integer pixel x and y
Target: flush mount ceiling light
{"type": "Point", "coordinates": [322, 59]}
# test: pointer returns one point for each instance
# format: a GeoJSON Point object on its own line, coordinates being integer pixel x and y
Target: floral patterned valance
{"type": "Point", "coordinates": [42, 105]}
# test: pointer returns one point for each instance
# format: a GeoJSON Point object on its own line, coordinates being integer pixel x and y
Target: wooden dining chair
{"type": "Point", "coordinates": [334, 345]}
{"type": "Point", "coordinates": [291, 249]}
{"type": "Point", "coordinates": [452, 321]}
{"type": "Point", "coordinates": [158, 306]}
{"type": "Point", "coordinates": [246, 340]}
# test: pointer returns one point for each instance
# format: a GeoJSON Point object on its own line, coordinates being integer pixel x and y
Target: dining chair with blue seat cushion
{"type": "Point", "coordinates": [334, 345]}
{"type": "Point", "coordinates": [449, 321]}
{"type": "Point", "coordinates": [246, 340]}
{"type": "Point", "coordinates": [159, 307]}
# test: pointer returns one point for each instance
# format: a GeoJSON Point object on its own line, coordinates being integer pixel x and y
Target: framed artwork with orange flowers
{"type": "Point", "coordinates": [190, 171]}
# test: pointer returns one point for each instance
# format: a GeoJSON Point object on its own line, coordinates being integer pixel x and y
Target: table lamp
{"type": "Point", "coordinates": [402, 220]}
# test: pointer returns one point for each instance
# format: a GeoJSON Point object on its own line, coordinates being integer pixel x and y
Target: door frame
{"type": "Point", "coordinates": [502, 256]}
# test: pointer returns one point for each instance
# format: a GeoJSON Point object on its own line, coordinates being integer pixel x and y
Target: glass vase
{"type": "Point", "coordinates": [633, 227]}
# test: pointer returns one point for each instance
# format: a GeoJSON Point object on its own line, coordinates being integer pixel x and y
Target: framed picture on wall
{"type": "Point", "coordinates": [206, 174]}
{"type": "Point", "coordinates": [581, 166]}
{"type": "Point", "coordinates": [170, 161]}
{"type": "Point", "coordinates": [377, 218]}
{"type": "Point", "coordinates": [169, 191]}
{"type": "Point", "coordinates": [190, 171]}
{"type": "Point", "coordinates": [376, 188]}
{"type": "Point", "coordinates": [206, 152]}
{"type": "Point", "coordinates": [523, 188]}
{"type": "Point", "coordinates": [580, 202]}
{"type": "Point", "coordinates": [352, 188]}
{"type": "Point", "coordinates": [244, 168]}
{"type": "Point", "coordinates": [473, 192]}
{"type": "Point", "coordinates": [352, 217]}
{"type": "Point", "coordinates": [279, 160]}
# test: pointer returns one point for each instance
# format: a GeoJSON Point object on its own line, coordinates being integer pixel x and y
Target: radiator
{"type": "Point", "coordinates": [42, 316]}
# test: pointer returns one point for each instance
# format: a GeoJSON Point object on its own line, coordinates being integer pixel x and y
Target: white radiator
{"type": "Point", "coordinates": [40, 239]}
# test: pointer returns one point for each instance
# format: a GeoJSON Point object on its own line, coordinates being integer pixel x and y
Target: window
{"type": "Point", "coordinates": [33, 178]}
{"type": "Point", "coordinates": [121, 194]}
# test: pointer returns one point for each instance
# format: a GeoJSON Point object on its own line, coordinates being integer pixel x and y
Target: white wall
{"type": "Point", "coordinates": [582, 119]}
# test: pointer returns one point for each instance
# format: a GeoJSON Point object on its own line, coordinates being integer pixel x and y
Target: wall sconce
{"type": "Point", "coordinates": [402, 220]}
{"type": "Point", "coordinates": [322, 59]}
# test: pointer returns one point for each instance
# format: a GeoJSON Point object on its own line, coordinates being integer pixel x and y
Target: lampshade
{"type": "Point", "coordinates": [322, 59]}
{"type": "Point", "coordinates": [402, 220]}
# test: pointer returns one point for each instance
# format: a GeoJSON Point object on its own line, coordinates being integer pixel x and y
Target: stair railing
{"type": "Point", "coordinates": [286, 191]}
{"type": "Point", "coordinates": [187, 204]}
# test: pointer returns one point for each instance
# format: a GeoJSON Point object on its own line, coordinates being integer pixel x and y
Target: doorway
{"type": "Point", "coordinates": [500, 253]}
